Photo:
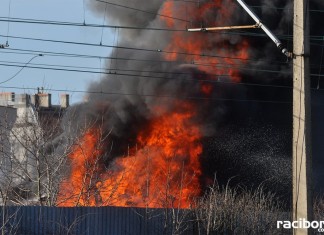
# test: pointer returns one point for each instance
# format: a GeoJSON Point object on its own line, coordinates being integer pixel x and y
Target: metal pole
{"type": "Point", "coordinates": [302, 167]}
{"type": "Point", "coordinates": [223, 28]}
{"type": "Point", "coordinates": [265, 28]}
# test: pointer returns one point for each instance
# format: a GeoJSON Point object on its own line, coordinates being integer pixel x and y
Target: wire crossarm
{"type": "Point", "coordinates": [265, 29]}
{"type": "Point", "coordinates": [223, 28]}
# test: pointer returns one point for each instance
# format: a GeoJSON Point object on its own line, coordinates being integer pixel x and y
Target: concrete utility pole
{"type": "Point", "coordinates": [302, 160]}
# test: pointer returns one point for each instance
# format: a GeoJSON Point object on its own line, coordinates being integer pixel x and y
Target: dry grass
{"type": "Point", "coordinates": [318, 208]}
{"type": "Point", "coordinates": [237, 211]}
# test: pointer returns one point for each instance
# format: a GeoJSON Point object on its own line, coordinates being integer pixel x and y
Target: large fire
{"type": "Point", "coordinates": [163, 172]}
{"type": "Point", "coordinates": [163, 169]}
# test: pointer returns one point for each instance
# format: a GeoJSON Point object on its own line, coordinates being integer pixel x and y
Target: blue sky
{"type": "Point", "coordinates": [54, 10]}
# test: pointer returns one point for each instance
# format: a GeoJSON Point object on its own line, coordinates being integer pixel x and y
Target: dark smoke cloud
{"type": "Point", "coordinates": [123, 110]}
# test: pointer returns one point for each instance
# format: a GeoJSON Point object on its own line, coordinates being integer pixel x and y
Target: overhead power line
{"type": "Point", "coordinates": [287, 9]}
{"type": "Point", "coordinates": [88, 56]}
{"type": "Point", "coordinates": [62, 23]}
{"type": "Point", "coordinates": [212, 78]}
{"type": "Point", "coordinates": [147, 71]}
{"type": "Point", "coordinates": [117, 47]}
{"type": "Point", "coordinates": [64, 54]}
{"type": "Point", "coordinates": [140, 10]}
{"type": "Point", "coordinates": [22, 67]}
{"type": "Point", "coordinates": [226, 66]}
{"type": "Point", "coordinates": [184, 30]}
{"type": "Point", "coordinates": [147, 75]}
{"type": "Point", "coordinates": [100, 72]}
{"type": "Point", "coordinates": [20, 51]}
{"type": "Point", "coordinates": [220, 64]}
{"type": "Point", "coordinates": [153, 95]}
{"type": "Point", "coordinates": [127, 48]}
{"type": "Point", "coordinates": [157, 96]}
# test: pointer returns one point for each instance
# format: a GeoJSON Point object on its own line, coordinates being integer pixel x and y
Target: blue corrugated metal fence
{"type": "Point", "coordinates": [36, 220]}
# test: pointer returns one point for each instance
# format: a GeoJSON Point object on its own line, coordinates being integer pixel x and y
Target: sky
{"type": "Point", "coordinates": [28, 79]}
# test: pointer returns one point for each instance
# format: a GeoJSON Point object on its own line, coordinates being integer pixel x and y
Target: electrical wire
{"type": "Point", "coordinates": [283, 8]}
{"type": "Point", "coordinates": [153, 95]}
{"type": "Point", "coordinates": [215, 66]}
{"type": "Point", "coordinates": [22, 67]}
{"type": "Point", "coordinates": [140, 10]}
{"type": "Point", "coordinates": [64, 54]}
{"type": "Point", "coordinates": [84, 11]}
{"type": "Point", "coordinates": [115, 71]}
{"type": "Point", "coordinates": [159, 50]}
{"type": "Point", "coordinates": [127, 70]}
{"type": "Point", "coordinates": [128, 48]}
{"type": "Point", "coordinates": [103, 23]}
{"type": "Point", "coordinates": [197, 63]}
{"type": "Point", "coordinates": [64, 68]}
{"type": "Point", "coordinates": [8, 25]}
{"type": "Point", "coordinates": [62, 23]}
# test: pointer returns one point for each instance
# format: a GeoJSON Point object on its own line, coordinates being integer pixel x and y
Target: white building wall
{"type": "Point", "coordinates": [21, 140]}
{"type": "Point", "coordinates": [8, 116]}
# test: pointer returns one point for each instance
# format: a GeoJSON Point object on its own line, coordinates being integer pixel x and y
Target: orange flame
{"type": "Point", "coordinates": [79, 188]}
{"type": "Point", "coordinates": [163, 172]}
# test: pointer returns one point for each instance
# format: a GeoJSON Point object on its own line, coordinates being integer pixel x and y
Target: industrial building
{"type": "Point", "coordinates": [26, 121]}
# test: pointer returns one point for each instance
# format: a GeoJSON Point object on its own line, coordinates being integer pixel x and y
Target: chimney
{"type": "Point", "coordinates": [22, 100]}
{"type": "Point", "coordinates": [43, 100]}
{"type": "Point", "coordinates": [7, 98]}
{"type": "Point", "coordinates": [64, 100]}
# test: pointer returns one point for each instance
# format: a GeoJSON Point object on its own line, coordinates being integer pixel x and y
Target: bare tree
{"type": "Point", "coordinates": [238, 211]}
{"type": "Point", "coordinates": [7, 120]}
{"type": "Point", "coordinates": [85, 161]}
{"type": "Point", "coordinates": [31, 168]}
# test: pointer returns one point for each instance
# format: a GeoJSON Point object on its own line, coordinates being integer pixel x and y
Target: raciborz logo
{"type": "Point", "coordinates": [301, 223]}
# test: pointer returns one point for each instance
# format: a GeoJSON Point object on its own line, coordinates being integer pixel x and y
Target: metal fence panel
{"type": "Point", "coordinates": [37, 220]}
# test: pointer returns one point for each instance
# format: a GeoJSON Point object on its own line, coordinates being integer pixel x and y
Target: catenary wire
{"type": "Point", "coordinates": [140, 10]}
{"type": "Point", "coordinates": [63, 23]}
{"type": "Point", "coordinates": [64, 54]}
{"type": "Point", "coordinates": [193, 64]}
{"type": "Point", "coordinates": [156, 96]}
{"type": "Point", "coordinates": [152, 95]}
{"type": "Point", "coordinates": [21, 68]}
{"type": "Point", "coordinates": [115, 71]}
{"type": "Point", "coordinates": [126, 48]}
